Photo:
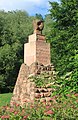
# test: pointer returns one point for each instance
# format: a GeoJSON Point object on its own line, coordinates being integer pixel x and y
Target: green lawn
{"type": "Point", "coordinates": [5, 99]}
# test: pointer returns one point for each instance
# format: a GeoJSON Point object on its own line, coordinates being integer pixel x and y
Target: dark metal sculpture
{"type": "Point", "coordinates": [38, 26]}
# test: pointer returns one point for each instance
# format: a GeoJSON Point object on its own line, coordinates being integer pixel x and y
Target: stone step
{"type": "Point", "coordinates": [42, 95]}
{"type": "Point", "coordinates": [50, 84]}
{"type": "Point", "coordinates": [39, 90]}
{"type": "Point", "coordinates": [48, 99]}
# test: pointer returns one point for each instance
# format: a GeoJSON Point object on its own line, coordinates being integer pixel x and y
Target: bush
{"type": "Point", "coordinates": [58, 107]}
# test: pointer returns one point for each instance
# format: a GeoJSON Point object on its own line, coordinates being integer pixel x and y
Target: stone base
{"type": "Point", "coordinates": [25, 90]}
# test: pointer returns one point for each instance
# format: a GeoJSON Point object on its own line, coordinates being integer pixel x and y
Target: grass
{"type": "Point", "coordinates": [5, 99]}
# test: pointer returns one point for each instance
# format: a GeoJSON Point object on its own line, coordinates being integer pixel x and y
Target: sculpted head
{"type": "Point", "coordinates": [38, 26]}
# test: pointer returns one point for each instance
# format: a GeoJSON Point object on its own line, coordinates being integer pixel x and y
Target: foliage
{"type": "Point", "coordinates": [44, 78]}
{"type": "Point", "coordinates": [58, 107]}
{"type": "Point", "coordinates": [63, 36]}
{"type": "Point", "coordinates": [15, 27]}
{"type": "Point", "coordinates": [38, 16]}
{"type": "Point", "coordinates": [48, 26]}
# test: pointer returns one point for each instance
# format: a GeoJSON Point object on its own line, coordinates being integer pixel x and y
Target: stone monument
{"type": "Point", "coordinates": [36, 61]}
{"type": "Point", "coordinates": [37, 50]}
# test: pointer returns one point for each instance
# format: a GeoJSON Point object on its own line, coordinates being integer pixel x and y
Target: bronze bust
{"type": "Point", "coordinates": [38, 26]}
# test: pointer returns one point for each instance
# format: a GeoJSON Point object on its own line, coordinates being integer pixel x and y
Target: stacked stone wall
{"type": "Point", "coordinates": [26, 91]}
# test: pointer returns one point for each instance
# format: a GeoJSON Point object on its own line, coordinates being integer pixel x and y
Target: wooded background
{"type": "Point", "coordinates": [60, 29]}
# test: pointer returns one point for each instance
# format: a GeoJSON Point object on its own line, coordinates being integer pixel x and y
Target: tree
{"type": "Point", "coordinates": [64, 38]}
{"type": "Point", "coordinates": [15, 27]}
{"type": "Point", "coordinates": [48, 26]}
{"type": "Point", "coordinates": [38, 16]}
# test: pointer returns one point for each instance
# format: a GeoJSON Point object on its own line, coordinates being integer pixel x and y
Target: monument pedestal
{"type": "Point", "coordinates": [36, 62]}
{"type": "Point", "coordinates": [36, 50]}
